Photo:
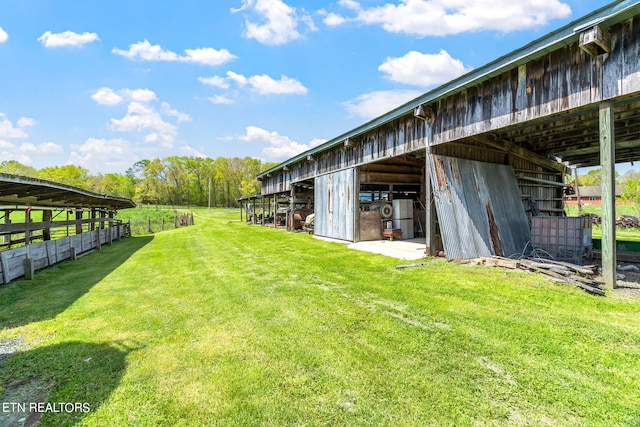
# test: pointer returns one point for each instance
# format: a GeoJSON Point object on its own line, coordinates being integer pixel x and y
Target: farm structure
{"type": "Point", "coordinates": [481, 155]}
{"type": "Point", "coordinates": [72, 222]}
{"type": "Point", "coordinates": [592, 195]}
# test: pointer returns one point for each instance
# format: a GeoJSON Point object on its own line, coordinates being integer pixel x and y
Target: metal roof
{"type": "Point", "coordinates": [609, 15]}
{"type": "Point", "coordinates": [18, 190]}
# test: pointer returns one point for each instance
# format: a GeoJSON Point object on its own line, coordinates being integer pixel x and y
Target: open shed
{"type": "Point", "coordinates": [482, 155]}
{"type": "Point", "coordinates": [43, 222]}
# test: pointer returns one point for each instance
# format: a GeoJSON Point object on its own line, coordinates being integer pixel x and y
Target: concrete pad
{"type": "Point", "coordinates": [411, 249]}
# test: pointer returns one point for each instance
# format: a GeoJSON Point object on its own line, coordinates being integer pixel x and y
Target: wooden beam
{"type": "Point", "coordinates": [506, 146]}
{"type": "Point", "coordinates": [607, 163]}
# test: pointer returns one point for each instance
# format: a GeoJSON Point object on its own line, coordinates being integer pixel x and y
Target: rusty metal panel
{"type": "Point", "coordinates": [479, 208]}
{"type": "Point", "coordinates": [335, 205]}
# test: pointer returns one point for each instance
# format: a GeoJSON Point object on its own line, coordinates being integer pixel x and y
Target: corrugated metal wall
{"type": "Point", "coordinates": [479, 208]}
{"type": "Point", "coordinates": [335, 204]}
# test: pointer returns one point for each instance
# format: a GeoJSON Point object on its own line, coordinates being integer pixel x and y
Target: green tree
{"type": "Point", "coordinates": [631, 192]}
{"type": "Point", "coordinates": [14, 167]}
{"type": "Point", "coordinates": [68, 174]}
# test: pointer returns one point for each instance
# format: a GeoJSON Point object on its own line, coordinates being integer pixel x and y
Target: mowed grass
{"type": "Point", "coordinates": [227, 324]}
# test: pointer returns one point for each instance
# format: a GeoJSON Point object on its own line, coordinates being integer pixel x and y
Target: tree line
{"type": "Point", "coordinates": [174, 180]}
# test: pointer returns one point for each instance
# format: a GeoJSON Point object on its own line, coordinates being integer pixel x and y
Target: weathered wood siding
{"type": "Point", "coordinates": [336, 204]}
{"type": "Point", "coordinates": [47, 253]}
{"type": "Point", "coordinates": [396, 138]}
{"type": "Point", "coordinates": [562, 80]}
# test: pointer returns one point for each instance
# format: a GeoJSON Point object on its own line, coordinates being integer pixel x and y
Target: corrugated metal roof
{"type": "Point", "coordinates": [479, 207]}
{"type": "Point", "coordinates": [609, 15]}
{"type": "Point", "coordinates": [22, 190]}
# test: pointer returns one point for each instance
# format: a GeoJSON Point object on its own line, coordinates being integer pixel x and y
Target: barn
{"type": "Point", "coordinates": [56, 222]}
{"type": "Point", "coordinates": [469, 165]}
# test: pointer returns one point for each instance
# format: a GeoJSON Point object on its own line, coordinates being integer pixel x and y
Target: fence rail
{"type": "Point", "coordinates": [24, 261]}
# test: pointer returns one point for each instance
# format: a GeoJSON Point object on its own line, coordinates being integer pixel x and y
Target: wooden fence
{"type": "Point", "coordinates": [24, 261]}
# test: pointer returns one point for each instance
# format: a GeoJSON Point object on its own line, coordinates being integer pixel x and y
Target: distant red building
{"type": "Point", "coordinates": [592, 195]}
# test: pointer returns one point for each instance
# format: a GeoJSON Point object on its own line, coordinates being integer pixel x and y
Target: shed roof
{"type": "Point", "coordinates": [18, 190]}
{"type": "Point", "coordinates": [609, 15]}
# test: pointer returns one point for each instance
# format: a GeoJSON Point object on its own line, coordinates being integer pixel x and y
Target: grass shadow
{"type": "Point", "coordinates": [56, 287]}
{"type": "Point", "coordinates": [60, 384]}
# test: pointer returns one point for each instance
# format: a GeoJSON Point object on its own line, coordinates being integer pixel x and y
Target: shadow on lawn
{"type": "Point", "coordinates": [60, 384]}
{"type": "Point", "coordinates": [55, 288]}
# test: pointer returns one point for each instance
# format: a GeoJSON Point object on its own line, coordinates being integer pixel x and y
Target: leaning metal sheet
{"type": "Point", "coordinates": [479, 208]}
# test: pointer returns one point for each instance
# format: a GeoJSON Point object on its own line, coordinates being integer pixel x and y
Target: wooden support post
{"type": "Point", "coordinates": [28, 269]}
{"type": "Point", "coordinates": [27, 229]}
{"type": "Point", "coordinates": [7, 220]}
{"type": "Point", "coordinates": [607, 163]}
{"type": "Point", "coordinates": [98, 242]}
{"type": "Point", "coordinates": [47, 215]}
{"type": "Point", "coordinates": [72, 253]}
{"type": "Point", "coordinates": [93, 219]}
{"type": "Point", "coordinates": [577, 188]}
{"type": "Point", "coordinates": [430, 217]}
{"type": "Point", "coordinates": [78, 221]}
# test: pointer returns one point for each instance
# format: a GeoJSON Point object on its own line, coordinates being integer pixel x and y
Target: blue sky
{"type": "Point", "coordinates": [103, 84]}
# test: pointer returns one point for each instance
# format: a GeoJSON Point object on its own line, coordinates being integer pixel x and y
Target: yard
{"type": "Point", "coordinates": [228, 324]}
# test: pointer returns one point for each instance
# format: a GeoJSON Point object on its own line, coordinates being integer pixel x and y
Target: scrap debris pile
{"type": "Point", "coordinates": [583, 276]}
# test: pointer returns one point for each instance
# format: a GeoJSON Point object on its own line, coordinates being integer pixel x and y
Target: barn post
{"type": "Point", "coordinates": [7, 220]}
{"type": "Point", "coordinates": [607, 163]}
{"type": "Point", "coordinates": [27, 228]}
{"type": "Point", "coordinates": [79, 221]}
{"type": "Point", "coordinates": [47, 215]}
{"type": "Point", "coordinates": [430, 220]}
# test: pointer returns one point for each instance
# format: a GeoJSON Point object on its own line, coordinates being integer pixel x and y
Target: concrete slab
{"type": "Point", "coordinates": [411, 249]}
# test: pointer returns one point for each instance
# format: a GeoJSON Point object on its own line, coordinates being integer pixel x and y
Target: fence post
{"type": "Point", "coordinates": [149, 224]}
{"type": "Point", "coordinates": [28, 269]}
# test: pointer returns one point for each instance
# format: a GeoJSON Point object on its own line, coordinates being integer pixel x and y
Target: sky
{"type": "Point", "coordinates": [104, 84]}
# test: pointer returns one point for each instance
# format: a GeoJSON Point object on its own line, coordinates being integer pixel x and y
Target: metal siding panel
{"type": "Point", "coordinates": [479, 208]}
{"type": "Point", "coordinates": [334, 202]}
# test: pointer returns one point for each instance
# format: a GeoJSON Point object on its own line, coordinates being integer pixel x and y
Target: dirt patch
{"type": "Point", "coordinates": [17, 396]}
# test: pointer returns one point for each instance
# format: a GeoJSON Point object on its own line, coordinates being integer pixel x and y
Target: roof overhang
{"type": "Point", "coordinates": [18, 190]}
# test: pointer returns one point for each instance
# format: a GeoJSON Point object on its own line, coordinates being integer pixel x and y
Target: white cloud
{"type": "Point", "coordinates": [66, 38]}
{"type": "Point", "coordinates": [265, 85]}
{"type": "Point", "coordinates": [443, 17]}
{"type": "Point", "coordinates": [97, 154]}
{"type": "Point", "coordinates": [18, 157]}
{"type": "Point", "coordinates": [277, 146]}
{"type": "Point", "coordinates": [27, 147]}
{"type": "Point", "coordinates": [423, 69]}
{"type": "Point", "coordinates": [238, 78]}
{"type": "Point", "coordinates": [191, 152]}
{"type": "Point", "coordinates": [3, 35]}
{"type": "Point", "coordinates": [7, 130]}
{"type": "Point", "coordinates": [278, 22]}
{"type": "Point", "coordinates": [216, 81]}
{"type": "Point", "coordinates": [50, 148]}
{"type": "Point", "coordinates": [145, 51]}
{"type": "Point", "coordinates": [142, 117]}
{"type": "Point", "coordinates": [334, 20]}
{"type": "Point", "coordinates": [6, 144]}
{"type": "Point", "coordinates": [262, 84]}
{"type": "Point", "coordinates": [139, 95]}
{"type": "Point", "coordinates": [219, 99]}
{"type": "Point", "coordinates": [24, 122]}
{"type": "Point", "coordinates": [374, 104]}
{"type": "Point", "coordinates": [166, 109]}
{"type": "Point", "coordinates": [106, 96]}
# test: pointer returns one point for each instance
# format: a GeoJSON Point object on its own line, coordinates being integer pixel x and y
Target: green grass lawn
{"type": "Point", "coordinates": [227, 324]}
